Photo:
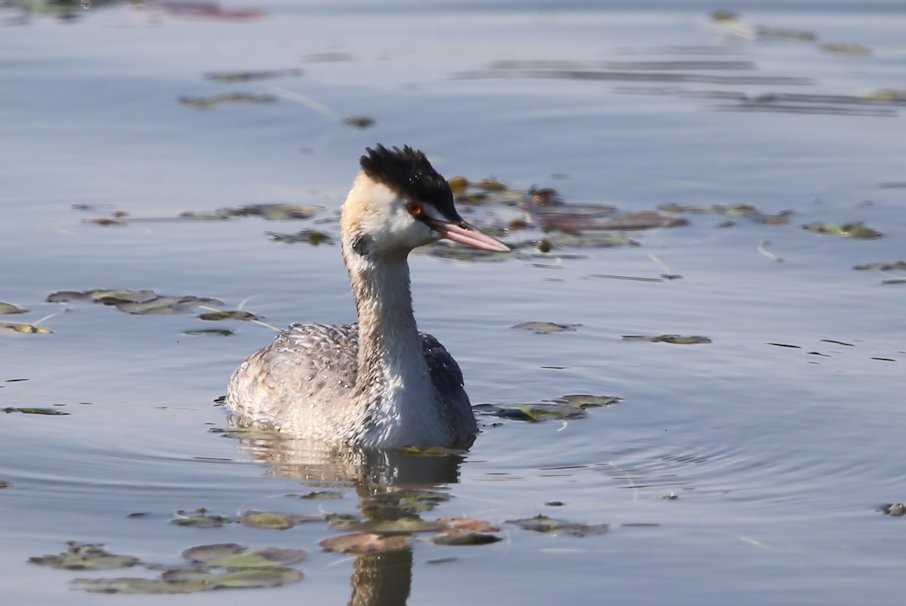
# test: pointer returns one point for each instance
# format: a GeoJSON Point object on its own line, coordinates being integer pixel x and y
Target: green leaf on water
{"type": "Point", "coordinates": [321, 495]}
{"type": "Point", "coordinates": [674, 339]}
{"type": "Point", "coordinates": [85, 556]}
{"type": "Point", "coordinates": [192, 581]}
{"type": "Point", "coordinates": [218, 332]}
{"type": "Point", "coordinates": [543, 328]}
{"type": "Point", "coordinates": [274, 520]}
{"type": "Point", "coordinates": [210, 553]}
{"type": "Point", "coordinates": [543, 524]}
{"type": "Point", "coordinates": [217, 316]}
{"type": "Point", "coordinates": [847, 230]}
{"type": "Point", "coordinates": [200, 518]}
{"type": "Point", "coordinates": [306, 236]}
{"type": "Point", "coordinates": [464, 537]}
{"type": "Point", "coordinates": [885, 266]}
{"type": "Point", "coordinates": [135, 302]}
{"type": "Point", "coordinates": [533, 413]}
{"type": "Point", "coordinates": [588, 400]}
{"type": "Point", "coordinates": [23, 328]}
{"type": "Point", "coordinates": [10, 309]}
{"type": "Point", "coordinates": [363, 543]}
{"type": "Point", "coordinates": [248, 76]}
{"type": "Point", "coordinates": [36, 410]}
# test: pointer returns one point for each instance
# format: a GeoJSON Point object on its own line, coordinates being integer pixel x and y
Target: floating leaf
{"type": "Point", "coordinates": [4, 484]}
{"type": "Point", "coordinates": [248, 76]}
{"type": "Point", "coordinates": [359, 121]}
{"type": "Point", "coordinates": [321, 495]}
{"type": "Point", "coordinates": [215, 100]}
{"type": "Point", "coordinates": [217, 316]}
{"type": "Point", "coordinates": [213, 552]}
{"type": "Point", "coordinates": [542, 328]}
{"type": "Point", "coordinates": [28, 329]}
{"type": "Point", "coordinates": [464, 537]}
{"type": "Point", "coordinates": [724, 16]}
{"type": "Point", "coordinates": [200, 518]}
{"type": "Point", "coordinates": [36, 410]}
{"type": "Point", "coordinates": [135, 302]}
{"type": "Point", "coordinates": [343, 521]}
{"type": "Point", "coordinates": [308, 236]}
{"type": "Point", "coordinates": [85, 556]}
{"type": "Point", "coordinates": [219, 332]}
{"type": "Point", "coordinates": [835, 342]}
{"type": "Point", "coordinates": [894, 509]}
{"type": "Point", "coordinates": [10, 309]}
{"type": "Point", "coordinates": [542, 523]}
{"type": "Point", "coordinates": [136, 585]}
{"type": "Point", "coordinates": [406, 525]}
{"type": "Point", "coordinates": [587, 400]}
{"type": "Point", "coordinates": [275, 520]}
{"type": "Point", "coordinates": [674, 339]}
{"type": "Point", "coordinates": [894, 281]}
{"type": "Point", "coordinates": [843, 48]}
{"type": "Point", "coordinates": [781, 33]}
{"type": "Point", "coordinates": [532, 412]}
{"type": "Point", "coordinates": [889, 266]}
{"type": "Point", "coordinates": [362, 543]}
{"type": "Point", "coordinates": [847, 230]}
{"type": "Point", "coordinates": [470, 524]}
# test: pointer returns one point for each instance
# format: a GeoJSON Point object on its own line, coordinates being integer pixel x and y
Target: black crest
{"type": "Point", "coordinates": [408, 172]}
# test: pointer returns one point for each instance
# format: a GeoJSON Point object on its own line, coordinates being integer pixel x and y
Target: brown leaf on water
{"type": "Point", "coordinates": [36, 410]}
{"type": "Point", "coordinates": [215, 100]}
{"type": "Point", "coordinates": [543, 328]}
{"type": "Point", "coordinates": [361, 122]}
{"type": "Point", "coordinates": [23, 328]}
{"type": "Point", "coordinates": [248, 76]}
{"type": "Point", "coordinates": [220, 315]}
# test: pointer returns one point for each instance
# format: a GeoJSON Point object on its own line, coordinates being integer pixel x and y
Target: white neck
{"type": "Point", "coordinates": [393, 378]}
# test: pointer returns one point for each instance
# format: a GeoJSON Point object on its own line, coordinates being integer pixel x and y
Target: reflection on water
{"type": "Point", "coordinates": [390, 485]}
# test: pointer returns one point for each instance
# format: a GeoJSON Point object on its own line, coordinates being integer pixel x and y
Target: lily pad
{"type": "Point", "coordinates": [200, 518]}
{"type": "Point", "coordinates": [847, 230]}
{"type": "Point", "coordinates": [85, 556]}
{"type": "Point", "coordinates": [588, 400]}
{"type": "Point", "coordinates": [10, 309]}
{"type": "Point", "coordinates": [343, 521]}
{"type": "Point", "coordinates": [674, 339]}
{"type": "Point", "coordinates": [363, 543]}
{"type": "Point", "coordinates": [248, 76]}
{"type": "Point", "coordinates": [464, 537]}
{"type": "Point", "coordinates": [359, 121]}
{"type": "Point", "coordinates": [36, 410]}
{"type": "Point", "coordinates": [307, 236]}
{"type": "Point", "coordinates": [543, 328]}
{"type": "Point", "coordinates": [23, 328]}
{"type": "Point", "coordinates": [192, 581]}
{"type": "Point", "coordinates": [137, 585]}
{"type": "Point", "coordinates": [218, 316]}
{"type": "Point", "coordinates": [274, 520]}
{"type": "Point", "coordinates": [887, 266]}
{"type": "Point", "coordinates": [468, 524]}
{"type": "Point", "coordinates": [533, 413]}
{"type": "Point", "coordinates": [217, 332]}
{"type": "Point", "coordinates": [894, 509]}
{"type": "Point", "coordinates": [320, 495]}
{"type": "Point", "coordinates": [231, 555]}
{"type": "Point", "coordinates": [135, 302]}
{"type": "Point", "coordinates": [215, 100]}
{"type": "Point", "coordinates": [402, 526]}
{"type": "Point", "coordinates": [542, 523]}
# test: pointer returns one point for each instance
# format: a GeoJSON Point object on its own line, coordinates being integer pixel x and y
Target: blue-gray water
{"type": "Point", "coordinates": [778, 458]}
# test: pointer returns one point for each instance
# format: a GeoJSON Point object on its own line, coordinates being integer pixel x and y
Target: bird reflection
{"type": "Point", "coordinates": [390, 485]}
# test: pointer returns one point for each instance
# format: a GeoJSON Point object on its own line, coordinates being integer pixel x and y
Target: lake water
{"type": "Point", "coordinates": [733, 471]}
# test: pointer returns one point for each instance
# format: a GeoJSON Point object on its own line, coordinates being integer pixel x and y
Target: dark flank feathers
{"type": "Point", "coordinates": [408, 172]}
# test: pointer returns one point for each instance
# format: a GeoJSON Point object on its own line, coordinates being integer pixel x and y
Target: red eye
{"type": "Point", "coordinates": [415, 209]}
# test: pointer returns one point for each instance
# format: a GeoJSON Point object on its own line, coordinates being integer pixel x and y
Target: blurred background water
{"type": "Point", "coordinates": [757, 470]}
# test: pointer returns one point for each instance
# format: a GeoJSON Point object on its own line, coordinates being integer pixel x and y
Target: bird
{"type": "Point", "coordinates": [378, 383]}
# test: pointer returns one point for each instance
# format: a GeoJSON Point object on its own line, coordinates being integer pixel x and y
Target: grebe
{"type": "Point", "coordinates": [379, 383]}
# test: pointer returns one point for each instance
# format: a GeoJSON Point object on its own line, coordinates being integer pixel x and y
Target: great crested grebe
{"type": "Point", "coordinates": [379, 383]}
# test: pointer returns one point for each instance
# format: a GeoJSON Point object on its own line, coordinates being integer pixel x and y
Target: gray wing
{"type": "Point", "coordinates": [306, 362]}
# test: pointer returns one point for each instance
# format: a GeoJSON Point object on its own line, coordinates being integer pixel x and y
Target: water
{"type": "Point", "coordinates": [778, 459]}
